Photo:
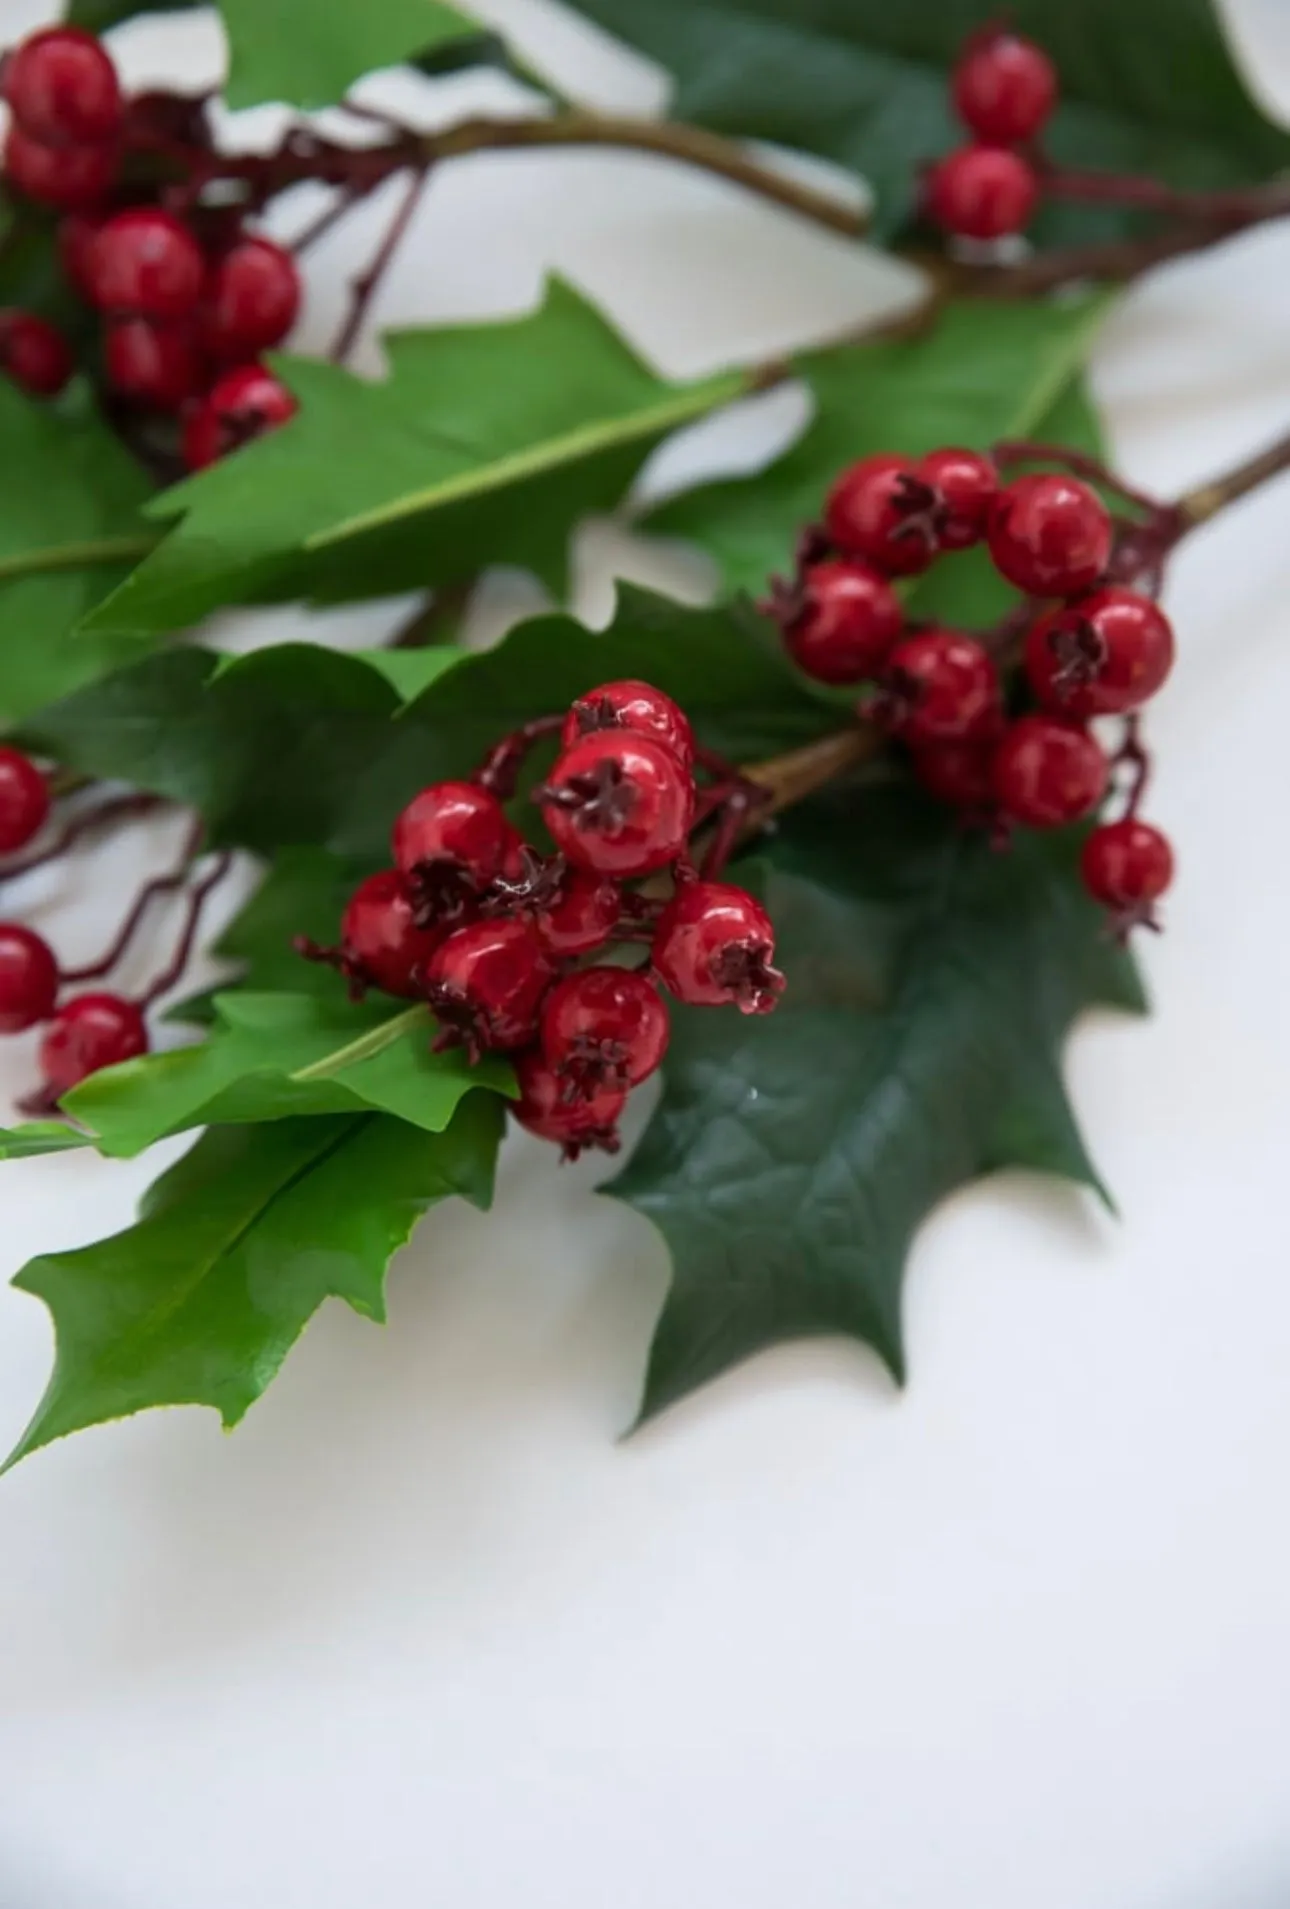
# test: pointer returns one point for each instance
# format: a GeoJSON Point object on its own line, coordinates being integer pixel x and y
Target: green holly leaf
{"type": "Point", "coordinates": [307, 54]}
{"type": "Point", "coordinates": [984, 371]}
{"type": "Point", "coordinates": [39, 1136]}
{"type": "Point", "coordinates": [276, 1056]}
{"type": "Point", "coordinates": [486, 444]}
{"type": "Point", "coordinates": [236, 1248]}
{"type": "Point", "coordinates": [299, 745]}
{"type": "Point", "coordinates": [931, 984]}
{"type": "Point", "coordinates": [70, 498]}
{"type": "Point", "coordinates": [1149, 88]}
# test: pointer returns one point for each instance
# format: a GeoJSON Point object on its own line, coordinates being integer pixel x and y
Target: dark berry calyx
{"type": "Point", "coordinates": [743, 972]}
{"type": "Point", "coordinates": [602, 796]}
{"type": "Point", "coordinates": [1078, 651]}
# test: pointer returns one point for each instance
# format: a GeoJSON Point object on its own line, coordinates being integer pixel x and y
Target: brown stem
{"type": "Point", "coordinates": [1197, 506]}
{"type": "Point", "coordinates": [151, 891]}
{"type": "Point", "coordinates": [177, 967]}
{"type": "Point", "coordinates": [364, 287]}
{"type": "Point", "coordinates": [1023, 451]}
{"type": "Point", "coordinates": [435, 621]}
{"type": "Point", "coordinates": [119, 808]}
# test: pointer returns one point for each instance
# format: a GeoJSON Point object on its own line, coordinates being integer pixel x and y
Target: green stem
{"type": "Point", "coordinates": [82, 556]}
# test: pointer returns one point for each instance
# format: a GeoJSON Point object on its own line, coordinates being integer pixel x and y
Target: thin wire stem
{"type": "Point", "coordinates": [197, 900]}
{"type": "Point", "coordinates": [365, 286]}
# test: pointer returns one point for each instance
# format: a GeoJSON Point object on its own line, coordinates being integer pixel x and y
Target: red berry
{"type": "Point", "coordinates": [77, 232]}
{"type": "Point", "coordinates": [91, 1032]}
{"type": "Point", "coordinates": [572, 1124]}
{"type": "Point", "coordinates": [381, 945]}
{"type": "Point", "coordinates": [449, 843]}
{"type": "Point", "coordinates": [1126, 866]}
{"type": "Point", "coordinates": [28, 978]}
{"type": "Point", "coordinates": [581, 916]}
{"type": "Point", "coordinates": [62, 88]}
{"type": "Point", "coordinates": [1048, 772]}
{"type": "Point", "coordinates": [240, 406]}
{"type": "Point", "coordinates": [1050, 534]}
{"type": "Point", "coordinates": [157, 365]}
{"type": "Point", "coordinates": [485, 983]}
{"type": "Point", "coordinates": [251, 300]}
{"type": "Point", "coordinates": [24, 800]}
{"type": "Point", "coordinates": [714, 944]}
{"type": "Point", "coordinates": [1004, 87]}
{"type": "Point", "coordinates": [841, 620]}
{"type": "Point", "coordinates": [884, 510]}
{"type": "Point", "coordinates": [72, 178]}
{"type": "Point", "coordinates": [145, 263]}
{"type": "Point", "coordinates": [618, 804]}
{"type": "Point", "coordinates": [33, 354]}
{"type": "Point", "coordinates": [637, 707]}
{"type": "Point", "coordinates": [959, 773]}
{"type": "Point", "coordinates": [939, 687]}
{"type": "Point", "coordinates": [603, 1027]}
{"type": "Point", "coordinates": [982, 192]}
{"type": "Point", "coordinates": [1101, 655]}
{"type": "Point", "coordinates": [968, 484]}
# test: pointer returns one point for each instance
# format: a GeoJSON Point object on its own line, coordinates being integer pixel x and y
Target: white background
{"type": "Point", "coordinates": [424, 1633]}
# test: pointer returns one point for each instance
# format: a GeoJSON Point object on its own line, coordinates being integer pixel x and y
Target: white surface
{"type": "Point", "coordinates": [423, 1633]}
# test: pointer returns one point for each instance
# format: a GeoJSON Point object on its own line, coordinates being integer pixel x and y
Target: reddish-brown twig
{"type": "Point", "coordinates": [151, 891]}
{"type": "Point", "coordinates": [365, 286]}
{"type": "Point", "coordinates": [176, 968]}
{"type": "Point", "coordinates": [118, 808]}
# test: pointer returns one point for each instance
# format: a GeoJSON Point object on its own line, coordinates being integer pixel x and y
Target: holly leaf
{"type": "Point", "coordinates": [298, 745]}
{"type": "Point", "coordinates": [275, 1056]}
{"type": "Point", "coordinates": [236, 1248]}
{"type": "Point", "coordinates": [984, 371]}
{"type": "Point", "coordinates": [1150, 88]}
{"type": "Point", "coordinates": [39, 1136]}
{"type": "Point", "coordinates": [484, 445]}
{"type": "Point", "coordinates": [931, 983]}
{"type": "Point", "coordinates": [70, 497]}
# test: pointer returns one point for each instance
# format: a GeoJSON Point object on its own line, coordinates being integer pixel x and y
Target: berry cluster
{"type": "Point", "coordinates": [89, 1031]}
{"type": "Point", "coordinates": [495, 936]}
{"type": "Point", "coordinates": [1103, 650]}
{"type": "Point", "coordinates": [187, 303]}
{"type": "Point", "coordinates": [1004, 89]}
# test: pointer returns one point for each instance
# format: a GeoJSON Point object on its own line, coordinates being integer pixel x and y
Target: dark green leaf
{"type": "Point", "coordinates": [486, 444]}
{"type": "Point", "coordinates": [297, 745]}
{"type": "Point", "coordinates": [70, 497]}
{"type": "Point", "coordinates": [1145, 88]}
{"type": "Point", "coordinates": [237, 1247]}
{"type": "Point", "coordinates": [931, 983]}
{"type": "Point", "coordinates": [274, 1056]}
{"type": "Point", "coordinates": [984, 372]}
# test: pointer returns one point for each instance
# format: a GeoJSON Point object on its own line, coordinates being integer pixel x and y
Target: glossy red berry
{"type": "Point", "coordinates": [156, 365]}
{"type": "Point", "coordinates": [982, 192]}
{"type": "Point", "coordinates": [252, 299]}
{"type": "Point", "coordinates": [145, 263]}
{"type": "Point", "coordinates": [884, 510]}
{"type": "Point", "coordinates": [72, 178]}
{"type": "Point", "coordinates": [89, 1033]}
{"type": "Point", "coordinates": [28, 978]}
{"type": "Point", "coordinates": [714, 943]}
{"type": "Point", "coordinates": [967, 484]}
{"type": "Point", "coordinates": [573, 1125]}
{"type": "Point", "coordinates": [449, 843]}
{"type": "Point", "coordinates": [840, 621]}
{"type": "Point", "coordinates": [240, 406]}
{"type": "Point", "coordinates": [603, 1027]}
{"type": "Point", "coordinates": [1127, 866]}
{"type": "Point", "coordinates": [62, 88]}
{"type": "Point", "coordinates": [959, 773]}
{"type": "Point", "coordinates": [24, 800]}
{"type": "Point", "coordinates": [1004, 87]}
{"type": "Point", "coordinates": [1048, 772]}
{"type": "Point", "coordinates": [381, 945]}
{"type": "Point", "coordinates": [581, 915]}
{"type": "Point", "coordinates": [33, 354]}
{"type": "Point", "coordinates": [1050, 535]}
{"type": "Point", "coordinates": [1101, 655]}
{"type": "Point", "coordinates": [485, 983]}
{"type": "Point", "coordinates": [634, 706]}
{"type": "Point", "coordinates": [938, 687]}
{"type": "Point", "coordinates": [618, 804]}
